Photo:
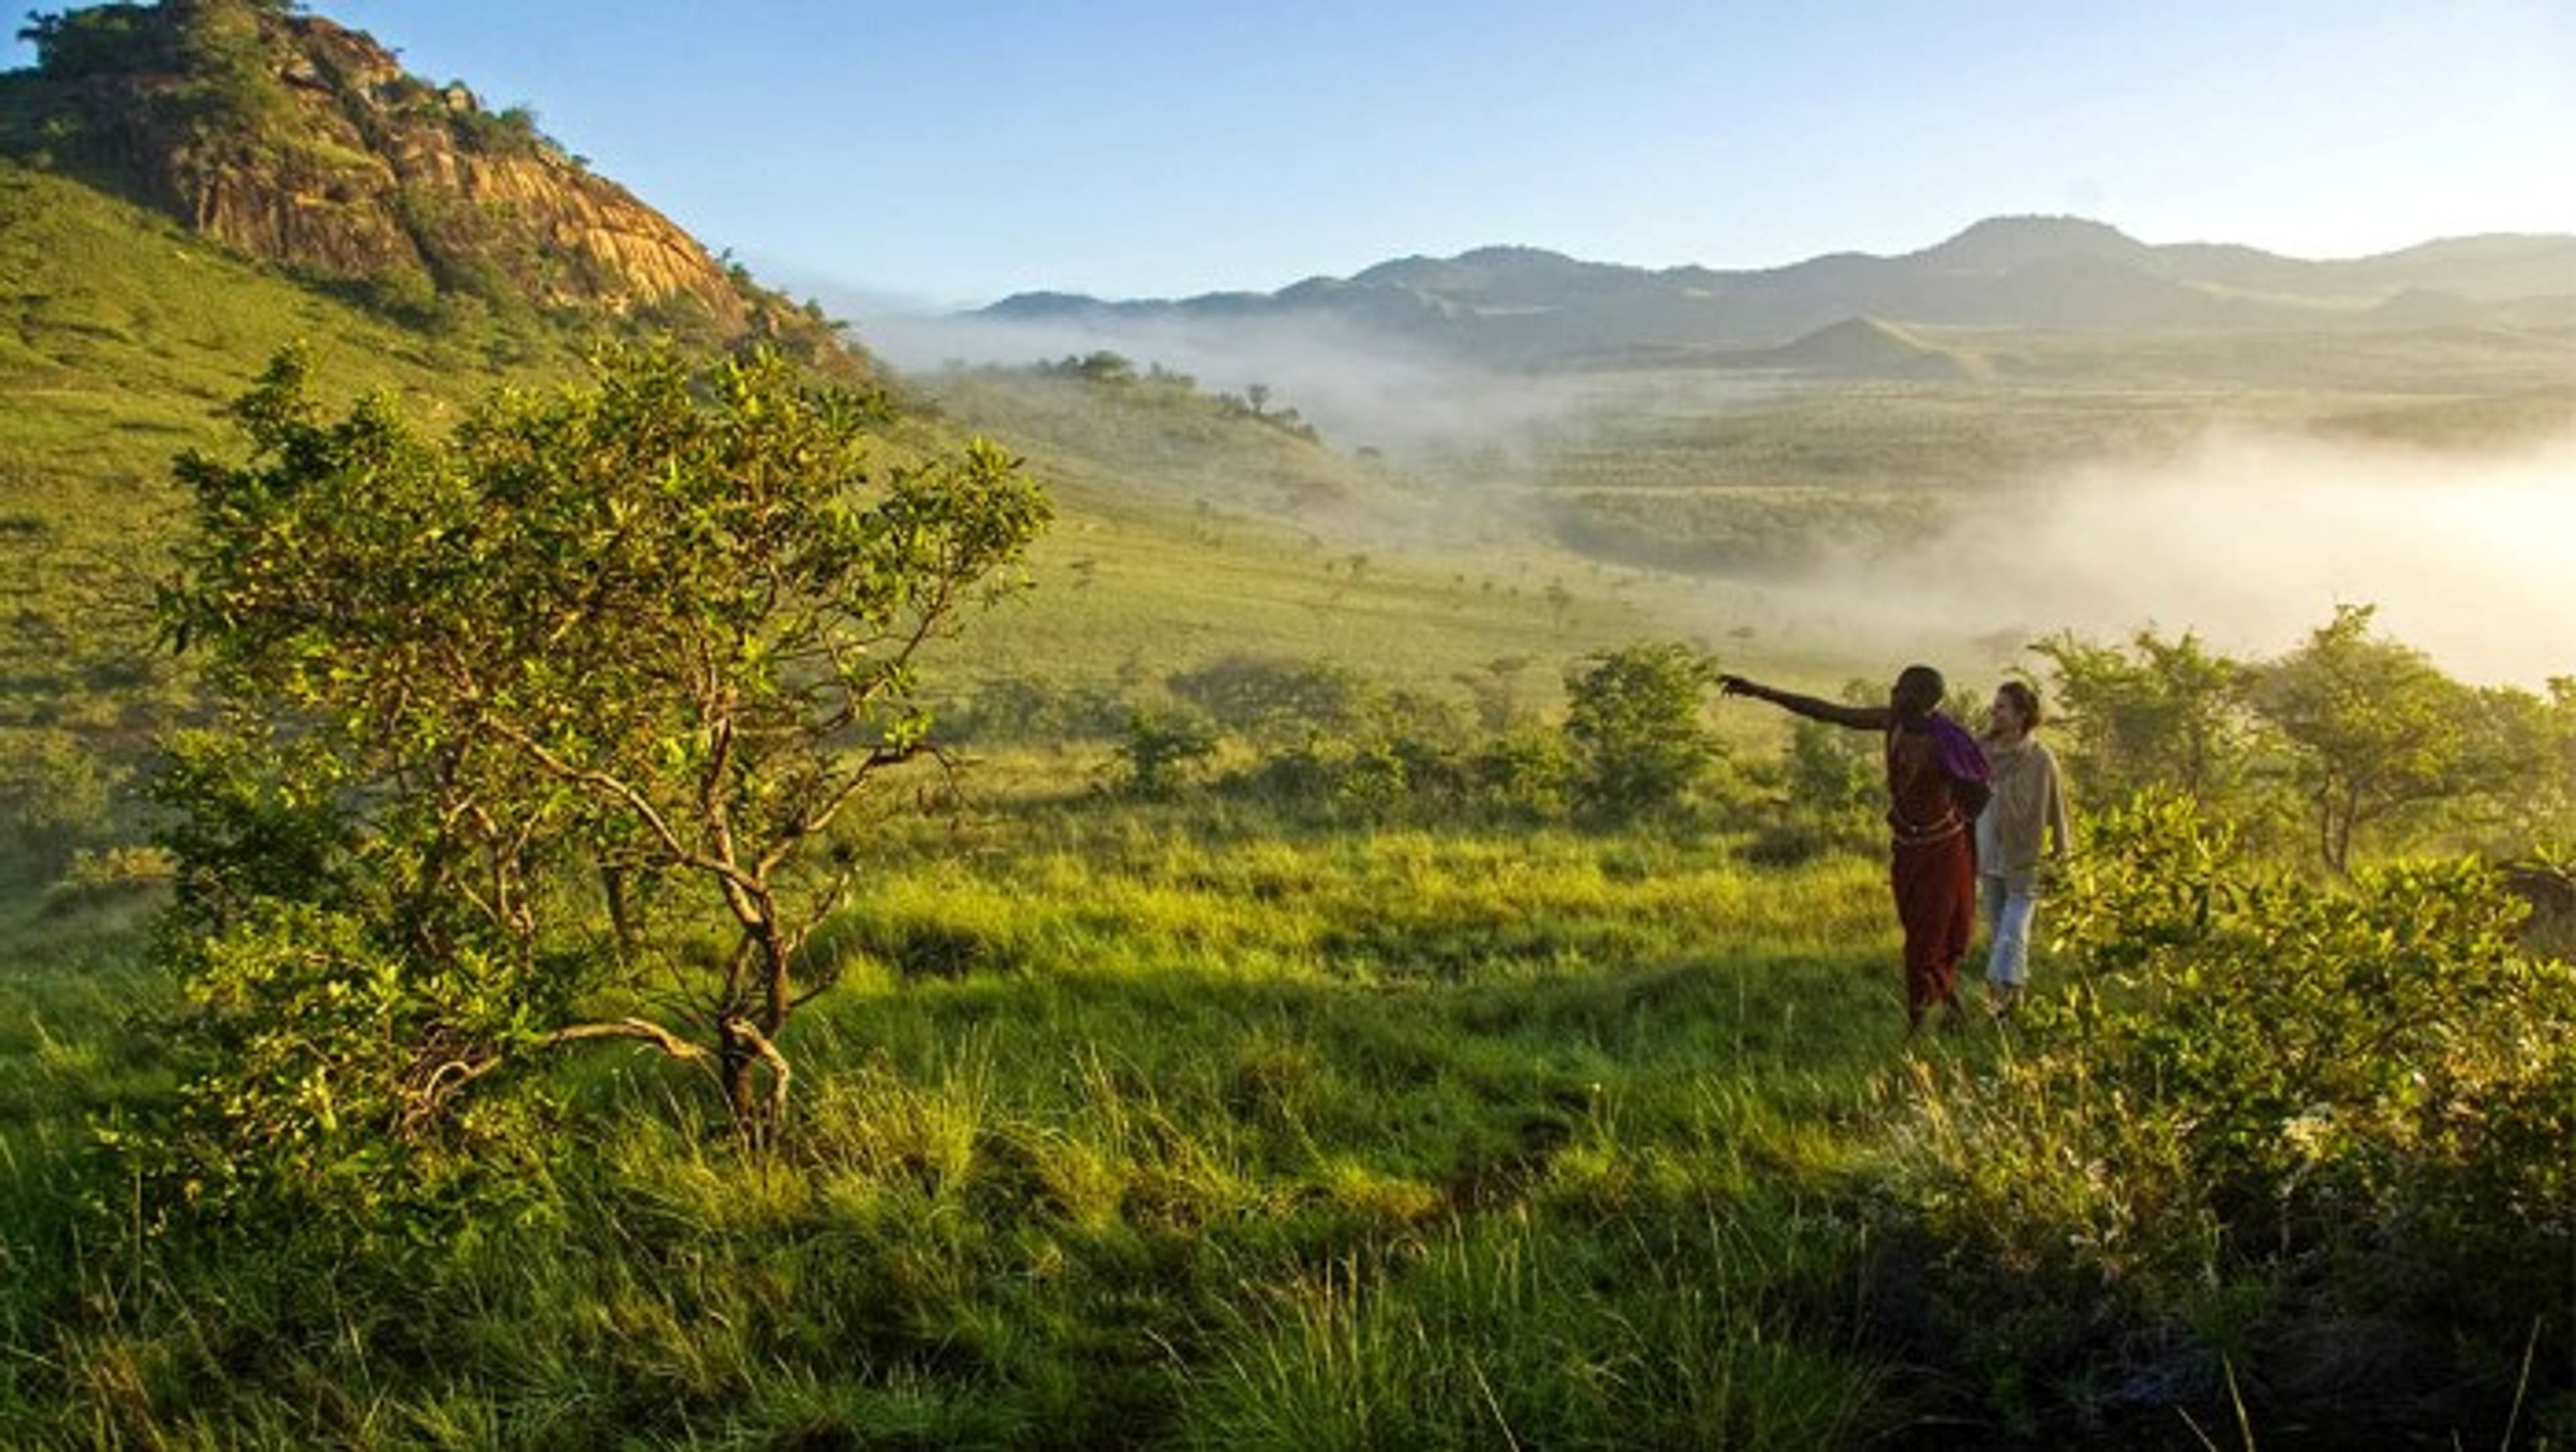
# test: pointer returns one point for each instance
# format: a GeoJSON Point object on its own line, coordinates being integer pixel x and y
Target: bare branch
{"type": "Point", "coordinates": [628, 1028]}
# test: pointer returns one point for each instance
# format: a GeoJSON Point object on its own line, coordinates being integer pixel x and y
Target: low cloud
{"type": "Point", "coordinates": [2252, 542]}
{"type": "Point", "coordinates": [1361, 390]}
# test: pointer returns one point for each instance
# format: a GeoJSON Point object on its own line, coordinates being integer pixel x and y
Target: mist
{"type": "Point", "coordinates": [1360, 390]}
{"type": "Point", "coordinates": [2252, 541]}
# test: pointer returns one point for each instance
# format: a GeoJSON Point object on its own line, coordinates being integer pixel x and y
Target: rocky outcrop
{"type": "Point", "coordinates": [305, 142]}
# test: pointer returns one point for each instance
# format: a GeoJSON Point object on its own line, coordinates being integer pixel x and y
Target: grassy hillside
{"type": "Point", "coordinates": [1188, 531]}
{"type": "Point", "coordinates": [125, 339]}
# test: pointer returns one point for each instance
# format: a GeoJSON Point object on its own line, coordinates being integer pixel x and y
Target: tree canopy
{"type": "Point", "coordinates": [610, 656]}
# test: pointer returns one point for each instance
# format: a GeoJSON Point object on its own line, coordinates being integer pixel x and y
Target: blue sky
{"type": "Point", "coordinates": [952, 151]}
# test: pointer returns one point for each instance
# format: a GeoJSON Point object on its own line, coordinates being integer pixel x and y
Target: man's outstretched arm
{"type": "Point", "coordinates": [1859, 718]}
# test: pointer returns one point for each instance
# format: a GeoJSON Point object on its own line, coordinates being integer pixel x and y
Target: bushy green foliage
{"type": "Point", "coordinates": [1274, 703]}
{"type": "Point", "coordinates": [1329, 741]}
{"type": "Point", "coordinates": [611, 657]}
{"type": "Point", "coordinates": [2350, 739]}
{"type": "Point", "coordinates": [56, 800]}
{"type": "Point", "coordinates": [2372, 728]}
{"type": "Point", "coordinates": [1633, 719]}
{"type": "Point", "coordinates": [2522, 747]}
{"type": "Point", "coordinates": [1378, 754]}
{"type": "Point", "coordinates": [95, 40]}
{"type": "Point", "coordinates": [318, 1055]}
{"type": "Point", "coordinates": [1161, 746]}
{"type": "Point", "coordinates": [2156, 713]}
{"type": "Point", "coordinates": [1832, 793]}
{"type": "Point", "coordinates": [1525, 772]}
{"type": "Point", "coordinates": [1019, 709]}
{"type": "Point", "coordinates": [2272, 1115]}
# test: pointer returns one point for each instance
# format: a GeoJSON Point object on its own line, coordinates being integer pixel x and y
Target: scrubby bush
{"type": "Point", "coordinates": [1526, 774]}
{"type": "Point", "coordinates": [1274, 703]}
{"type": "Point", "coordinates": [1396, 753]}
{"type": "Point", "coordinates": [57, 799]}
{"type": "Point", "coordinates": [2275, 1126]}
{"type": "Point", "coordinates": [1831, 796]}
{"type": "Point", "coordinates": [1633, 724]}
{"type": "Point", "coordinates": [1161, 746]}
{"type": "Point", "coordinates": [1021, 710]}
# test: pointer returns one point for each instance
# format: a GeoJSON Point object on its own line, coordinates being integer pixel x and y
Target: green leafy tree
{"type": "Point", "coordinates": [612, 656]}
{"type": "Point", "coordinates": [2522, 749]}
{"type": "Point", "coordinates": [2371, 726]}
{"type": "Point", "coordinates": [1496, 689]}
{"type": "Point", "coordinates": [1633, 721]}
{"type": "Point", "coordinates": [2156, 713]}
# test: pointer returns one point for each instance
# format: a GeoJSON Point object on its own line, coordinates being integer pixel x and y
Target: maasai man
{"type": "Point", "coordinates": [1936, 785]}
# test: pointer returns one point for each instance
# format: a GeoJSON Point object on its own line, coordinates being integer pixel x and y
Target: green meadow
{"type": "Point", "coordinates": [1285, 1028]}
{"type": "Point", "coordinates": [1125, 1127]}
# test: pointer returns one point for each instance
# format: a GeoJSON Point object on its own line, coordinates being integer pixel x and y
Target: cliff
{"type": "Point", "coordinates": [303, 142]}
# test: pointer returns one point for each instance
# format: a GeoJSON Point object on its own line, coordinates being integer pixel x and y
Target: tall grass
{"type": "Point", "coordinates": [1127, 1134]}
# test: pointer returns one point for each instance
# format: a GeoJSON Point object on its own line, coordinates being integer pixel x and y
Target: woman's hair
{"type": "Point", "coordinates": [2024, 699]}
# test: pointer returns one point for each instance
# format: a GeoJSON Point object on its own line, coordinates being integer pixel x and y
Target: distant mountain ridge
{"type": "Point", "coordinates": [1532, 306]}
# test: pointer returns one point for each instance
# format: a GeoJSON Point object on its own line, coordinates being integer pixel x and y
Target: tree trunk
{"type": "Point", "coordinates": [621, 913]}
{"type": "Point", "coordinates": [743, 1053]}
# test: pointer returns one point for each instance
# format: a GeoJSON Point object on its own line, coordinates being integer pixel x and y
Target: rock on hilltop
{"type": "Point", "coordinates": [306, 143]}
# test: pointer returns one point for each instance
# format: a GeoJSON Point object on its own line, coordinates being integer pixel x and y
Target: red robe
{"type": "Point", "coordinates": [1934, 870]}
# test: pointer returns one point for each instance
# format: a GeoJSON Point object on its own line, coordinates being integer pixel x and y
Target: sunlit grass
{"type": "Point", "coordinates": [1169, 1140]}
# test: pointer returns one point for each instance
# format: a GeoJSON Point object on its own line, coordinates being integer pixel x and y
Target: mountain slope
{"type": "Point", "coordinates": [297, 140]}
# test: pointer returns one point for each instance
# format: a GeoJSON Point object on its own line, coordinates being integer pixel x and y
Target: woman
{"type": "Point", "coordinates": [2027, 813]}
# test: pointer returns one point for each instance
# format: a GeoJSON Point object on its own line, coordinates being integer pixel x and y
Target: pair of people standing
{"type": "Point", "coordinates": [1961, 809]}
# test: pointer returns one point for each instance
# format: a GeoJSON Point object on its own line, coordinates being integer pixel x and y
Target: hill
{"type": "Point", "coordinates": [1868, 348]}
{"type": "Point", "coordinates": [1193, 523]}
{"type": "Point", "coordinates": [299, 141]}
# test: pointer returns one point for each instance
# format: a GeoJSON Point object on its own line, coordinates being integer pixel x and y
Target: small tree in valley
{"type": "Point", "coordinates": [612, 656]}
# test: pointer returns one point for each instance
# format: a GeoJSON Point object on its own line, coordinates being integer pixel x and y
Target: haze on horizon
{"type": "Point", "coordinates": [951, 155]}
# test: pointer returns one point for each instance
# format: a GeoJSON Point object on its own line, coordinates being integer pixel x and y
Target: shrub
{"type": "Point", "coordinates": [1633, 723]}
{"type": "Point", "coordinates": [1020, 710]}
{"type": "Point", "coordinates": [1526, 773]}
{"type": "Point", "coordinates": [1275, 703]}
{"type": "Point", "coordinates": [2271, 1112]}
{"type": "Point", "coordinates": [1832, 795]}
{"type": "Point", "coordinates": [1161, 746]}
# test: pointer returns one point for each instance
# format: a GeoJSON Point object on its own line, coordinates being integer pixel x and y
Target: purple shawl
{"type": "Point", "coordinates": [1960, 754]}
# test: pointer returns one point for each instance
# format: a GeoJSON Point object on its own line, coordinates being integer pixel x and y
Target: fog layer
{"type": "Point", "coordinates": [2252, 542]}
